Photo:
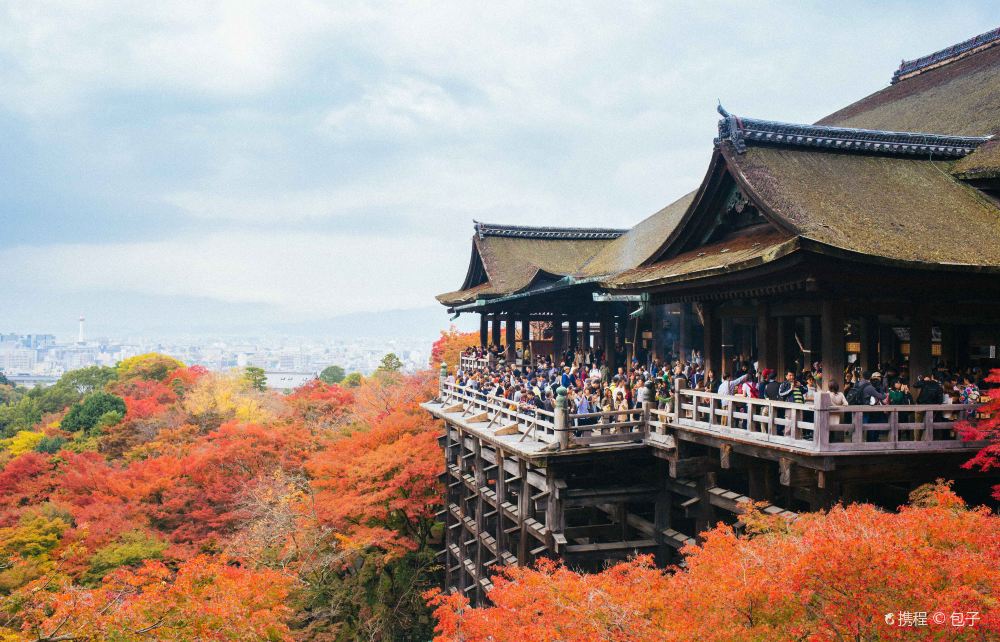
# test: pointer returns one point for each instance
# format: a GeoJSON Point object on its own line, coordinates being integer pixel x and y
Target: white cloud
{"type": "Point", "coordinates": [401, 107]}
{"type": "Point", "coordinates": [305, 275]}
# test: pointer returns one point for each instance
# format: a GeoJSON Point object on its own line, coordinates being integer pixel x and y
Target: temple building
{"type": "Point", "coordinates": [870, 237]}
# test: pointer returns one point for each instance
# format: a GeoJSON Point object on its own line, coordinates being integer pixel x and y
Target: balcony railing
{"type": "Point", "coordinates": [811, 428]}
{"type": "Point", "coordinates": [470, 362]}
{"type": "Point", "coordinates": [819, 427]}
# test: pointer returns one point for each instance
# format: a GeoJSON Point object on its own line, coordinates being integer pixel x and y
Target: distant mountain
{"type": "Point", "coordinates": [417, 322]}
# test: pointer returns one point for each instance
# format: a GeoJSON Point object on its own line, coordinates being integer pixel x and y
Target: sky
{"type": "Point", "coordinates": [183, 165]}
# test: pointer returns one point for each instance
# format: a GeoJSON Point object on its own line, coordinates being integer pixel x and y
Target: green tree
{"type": "Point", "coordinates": [130, 549]}
{"type": "Point", "coordinates": [353, 380]}
{"type": "Point", "coordinates": [98, 409]}
{"type": "Point", "coordinates": [256, 377]}
{"type": "Point", "coordinates": [87, 380]}
{"type": "Point", "coordinates": [390, 363]}
{"type": "Point", "coordinates": [332, 374]}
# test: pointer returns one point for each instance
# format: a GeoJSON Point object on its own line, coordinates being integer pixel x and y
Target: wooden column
{"type": "Point", "coordinates": [781, 331]}
{"type": "Point", "coordinates": [869, 343]}
{"type": "Point", "coordinates": [557, 338]}
{"type": "Point", "coordinates": [811, 333]}
{"type": "Point", "coordinates": [572, 334]}
{"type": "Point", "coordinates": [495, 329]}
{"type": "Point", "coordinates": [484, 331]}
{"type": "Point", "coordinates": [608, 332]}
{"type": "Point", "coordinates": [712, 349]}
{"type": "Point", "coordinates": [832, 328]}
{"type": "Point", "coordinates": [585, 335]}
{"type": "Point", "coordinates": [920, 343]}
{"type": "Point", "coordinates": [684, 332]}
{"type": "Point", "coordinates": [728, 341]}
{"type": "Point", "coordinates": [525, 334]}
{"type": "Point", "coordinates": [511, 337]}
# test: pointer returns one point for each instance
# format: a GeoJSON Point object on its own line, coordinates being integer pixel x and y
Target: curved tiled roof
{"type": "Point", "coordinates": [512, 263]}
{"type": "Point", "coordinates": [900, 209]}
{"type": "Point", "coordinates": [910, 68]}
{"type": "Point", "coordinates": [639, 243]}
{"type": "Point", "coordinates": [958, 98]}
{"type": "Point", "coordinates": [744, 250]}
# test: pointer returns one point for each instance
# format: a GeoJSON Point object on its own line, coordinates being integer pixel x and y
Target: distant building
{"type": "Point", "coordinates": [287, 380]}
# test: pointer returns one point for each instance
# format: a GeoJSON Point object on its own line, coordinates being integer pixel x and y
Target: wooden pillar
{"type": "Point", "coordinates": [684, 345]}
{"type": "Point", "coordinates": [511, 337]}
{"type": "Point", "coordinates": [949, 353]}
{"type": "Point", "coordinates": [920, 343]}
{"type": "Point", "coordinates": [781, 325]}
{"type": "Point", "coordinates": [495, 329]}
{"type": "Point", "coordinates": [484, 331]}
{"type": "Point", "coordinates": [811, 333]}
{"type": "Point", "coordinates": [525, 334]}
{"type": "Point", "coordinates": [869, 343]}
{"type": "Point", "coordinates": [585, 335]}
{"type": "Point", "coordinates": [887, 344]}
{"type": "Point", "coordinates": [557, 338]}
{"type": "Point", "coordinates": [832, 329]}
{"type": "Point", "coordinates": [610, 352]}
{"type": "Point", "coordinates": [572, 334]}
{"type": "Point", "coordinates": [501, 495]}
{"type": "Point", "coordinates": [727, 345]}
{"type": "Point", "coordinates": [712, 348]}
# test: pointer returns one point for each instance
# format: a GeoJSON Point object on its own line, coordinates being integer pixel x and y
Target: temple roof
{"type": "Point", "coordinates": [879, 181]}
{"type": "Point", "coordinates": [910, 68]}
{"type": "Point", "coordinates": [640, 243]}
{"type": "Point", "coordinates": [898, 209]}
{"type": "Point", "coordinates": [743, 131]}
{"type": "Point", "coordinates": [508, 259]}
{"type": "Point", "coordinates": [957, 95]}
{"type": "Point", "coordinates": [744, 250]}
{"type": "Point", "coordinates": [560, 233]}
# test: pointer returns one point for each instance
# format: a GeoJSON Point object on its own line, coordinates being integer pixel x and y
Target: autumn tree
{"type": "Point", "coordinates": [449, 347]}
{"type": "Point", "coordinates": [353, 380]}
{"type": "Point", "coordinates": [986, 429]}
{"type": "Point", "coordinates": [824, 577]}
{"type": "Point", "coordinates": [206, 599]}
{"type": "Point", "coordinates": [150, 366]}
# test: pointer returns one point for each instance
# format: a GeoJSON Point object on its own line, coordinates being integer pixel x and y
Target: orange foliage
{"type": "Point", "coordinates": [207, 599]}
{"type": "Point", "coordinates": [987, 430]}
{"type": "Point", "coordinates": [378, 485]}
{"type": "Point", "coordinates": [827, 576]}
{"type": "Point", "coordinates": [320, 404]}
{"type": "Point", "coordinates": [448, 348]}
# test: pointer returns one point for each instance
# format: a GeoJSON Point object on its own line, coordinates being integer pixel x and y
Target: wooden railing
{"type": "Point", "coordinates": [815, 427]}
{"type": "Point", "coordinates": [504, 417]}
{"type": "Point", "coordinates": [820, 427]}
{"type": "Point", "coordinates": [471, 362]}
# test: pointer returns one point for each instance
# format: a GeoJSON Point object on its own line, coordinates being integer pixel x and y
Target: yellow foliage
{"type": "Point", "coordinates": [24, 441]}
{"type": "Point", "coordinates": [228, 396]}
{"type": "Point", "coordinates": [151, 365]}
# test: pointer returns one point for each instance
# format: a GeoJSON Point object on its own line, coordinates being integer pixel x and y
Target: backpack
{"type": "Point", "coordinates": [854, 397]}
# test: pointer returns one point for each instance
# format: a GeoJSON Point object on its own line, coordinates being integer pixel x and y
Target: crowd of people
{"type": "Point", "coordinates": [592, 386]}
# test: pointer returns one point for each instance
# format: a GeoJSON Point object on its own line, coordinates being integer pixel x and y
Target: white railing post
{"type": "Point", "coordinates": [680, 383]}
{"type": "Point", "coordinates": [560, 422]}
{"type": "Point", "coordinates": [821, 420]}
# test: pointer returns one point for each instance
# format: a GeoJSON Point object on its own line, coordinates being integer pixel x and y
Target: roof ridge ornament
{"type": "Point", "coordinates": [547, 233]}
{"type": "Point", "coordinates": [909, 68]}
{"type": "Point", "coordinates": [743, 131]}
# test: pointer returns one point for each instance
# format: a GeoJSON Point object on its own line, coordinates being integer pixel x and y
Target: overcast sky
{"type": "Point", "coordinates": [173, 163]}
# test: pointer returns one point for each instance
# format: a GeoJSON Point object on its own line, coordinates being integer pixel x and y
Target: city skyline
{"type": "Point", "coordinates": [241, 168]}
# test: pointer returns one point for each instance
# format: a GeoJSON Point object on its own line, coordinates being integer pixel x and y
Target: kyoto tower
{"type": "Point", "coordinates": [79, 336]}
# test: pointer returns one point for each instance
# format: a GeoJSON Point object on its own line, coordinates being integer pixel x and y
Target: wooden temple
{"type": "Point", "coordinates": [870, 237]}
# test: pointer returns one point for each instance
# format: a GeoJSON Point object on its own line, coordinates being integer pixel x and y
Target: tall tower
{"type": "Point", "coordinates": [79, 336]}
